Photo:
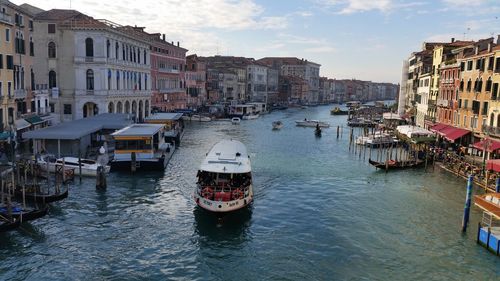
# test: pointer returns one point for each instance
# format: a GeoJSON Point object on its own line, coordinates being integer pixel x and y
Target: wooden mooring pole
{"type": "Point", "coordinates": [465, 219]}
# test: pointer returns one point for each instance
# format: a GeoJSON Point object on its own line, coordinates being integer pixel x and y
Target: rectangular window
{"type": "Point", "coordinates": [469, 65]}
{"type": "Point", "coordinates": [7, 35]}
{"type": "Point", "coordinates": [1, 89]}
{"type": "Point", "coordinates": [30, 25]}
{"type": "Point", "coordinates": [67, 109]}
{"type": "Point", "coordinates": [497, 65]}
{"type": "Point", "coordinates": [1, 61]}
{"type": "Point", "coordinates": [10, 62]}
{"type": "Point", "coordinates": [462, 66]}
{"type": "Point", "coordinates": [9, 89]}
{"type": "Point", "coordinates": [52, 28]}
{"type": "Point", "coordinates": [490, 63]}
{"type": "Point", "coordinates": [485, 108]}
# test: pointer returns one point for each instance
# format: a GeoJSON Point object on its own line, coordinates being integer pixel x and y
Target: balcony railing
{"type": "Point", "coordinates": [491, 130]}
{"type": "Point", "coordinates": [171, 90]}
{"type": "Point", "coordinates": [169, 70]}
{"type": "Point", "coordinates": [443, 103]}
{"type": "Point", "coordinates": [5, 18]}
{"type": "Point", "coordinates": [20, 94]}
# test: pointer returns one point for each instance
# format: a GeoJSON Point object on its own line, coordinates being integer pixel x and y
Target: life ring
{"type": "Point", "coordinates": [237, 194]}
{"type": "Point", "coordinates": [207, 192]}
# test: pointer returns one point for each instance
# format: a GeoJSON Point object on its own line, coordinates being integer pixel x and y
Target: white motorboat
{"type": "Point", "coordinates": [196, 117]}
{"type": "Point", "coordinates": [376, 139]}
{"type": "Point", "coordinates": [88, 166]}
{"type": "Point", "coordinates": [235, 120]}
{"type": "Point", "coordinates": [250, 116]}
{"type": "Point", "coordinates": [225, 178]}
{"type": "Point", "coordinates": [277, 125]}
{"type": "Point", "coordinates": [312, 123]}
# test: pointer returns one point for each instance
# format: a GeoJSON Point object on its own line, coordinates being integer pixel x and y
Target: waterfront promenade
{"type": "Point", "coordinates": [320, 213]}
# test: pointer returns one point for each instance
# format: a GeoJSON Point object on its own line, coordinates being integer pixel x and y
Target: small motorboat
{"type": "Point", "coordinates": [88, 166]}
{"type": "Point", "coordinates": [250, 116]}
{"type": "Point", "coordinates": [317, 132]}
{"type": "Point", "coordinates": [277, 125]}
{"type": "Point", "coordinates": [489, 202]}
{"type": "Point", "coordinates": [312, 123]}
{"type": "Point", "coordinates": [235, 120]}
{"type": "Point", "coordinates": [338, 111]}
{"type": "Point", "coordinates": [197, 117]}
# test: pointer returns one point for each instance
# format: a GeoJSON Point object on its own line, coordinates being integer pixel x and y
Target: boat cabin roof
{"type": "Point", "coordinates": [164, 117]}
{"type": "Point", "coordinates": [227, 156]}
{"type": "Point", "coordinates": [138, 130]}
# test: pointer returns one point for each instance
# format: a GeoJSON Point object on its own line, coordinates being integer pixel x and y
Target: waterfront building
{"type": "Point", "coordinates": [195, 82]}
{"type": "Point", "coordinates": [91, 66]}
{"type": "Point", "coordinates": [168, 65]}
{"type": "Point", "coordinates": [272, 86]}
{"type": "Point", "coordinates": [475, 88]}
{"type": "Point", "coordinates": [492, 130]}
{"type": "Point", "coordinates": [339, 94]}
{"type": "Point", "coordinates": [304, 69]}
{"type": "Point", "coordinates": [295, 88]}
{"type": "Point", "coordinates": [17, 79]}
{"type": "Point", "coordinates": [257, 82]}
{"type": "Point", "coordinates": [422, 98]}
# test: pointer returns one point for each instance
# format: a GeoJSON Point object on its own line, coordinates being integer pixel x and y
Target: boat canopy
{"type": "Point", "coordinates": [138, 130]}
{"type": "Point", "coordinates": [227, 156]}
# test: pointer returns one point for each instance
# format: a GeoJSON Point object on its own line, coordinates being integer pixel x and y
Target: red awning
{"type": "Point", "coordinates": [492, 147]}
{"type": "Point", "coordinates": [493, 165]}
{"type": "Point", "coordinates": [453, 133]}
{"type": "Point", "coordinates": [438, 127]}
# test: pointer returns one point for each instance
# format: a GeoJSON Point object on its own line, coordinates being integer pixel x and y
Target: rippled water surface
{"type": "Point", "coordinates": [320, 213]}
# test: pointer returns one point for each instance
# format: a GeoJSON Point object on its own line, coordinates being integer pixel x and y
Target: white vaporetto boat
{"type": "Point", "coordinates": [250, 116]}
{"type": "Point", "coordinates": [225, 178]}
{"type": "Point", "coordinates": [89, 167]}
{"type": "Point", "coordinates": [312, 123]}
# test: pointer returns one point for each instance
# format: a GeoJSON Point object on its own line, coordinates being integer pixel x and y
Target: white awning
{"type": "Point", "coordinates": [21, 124]}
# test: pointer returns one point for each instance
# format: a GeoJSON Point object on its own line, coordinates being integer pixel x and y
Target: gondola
{"type": "Point", "coordinates": [39, 196]}
{"type": "Point", "coordinates": [6, 225]}
{"type": "Point", "coordinates": [317, 132]}
{"type": "Point", "coordinates": [396, 165]}
{"type": "Point", "coordinates": [19, 213]}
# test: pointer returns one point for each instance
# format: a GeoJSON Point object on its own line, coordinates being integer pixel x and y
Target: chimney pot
{"type": "Point", "coordinates": [498, 39]}
{"type": "Point", "coordinates": [177, 43]}
{"type": "Point", "coordinates": [163, 36]}
{"type": "Point", "coordinates": [452, 40]}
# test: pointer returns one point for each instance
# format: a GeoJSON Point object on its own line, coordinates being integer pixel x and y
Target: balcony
{"type": "Point", "coordinates": [491, 130]}
{"type": "Point", "coordinates": [443, 103]}
{"type": "Point", "coordinates": [171, 90]}
{"type": "Point", "coordinates": [20, 94]}
{"type": "Point", "coordinates": [90, 60]}
{"type": "Point", "coordinates": [169, 70]}
{"type": "Point", "coordinates": [5, 18]}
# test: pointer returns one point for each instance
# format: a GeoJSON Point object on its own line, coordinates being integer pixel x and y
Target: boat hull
{"type": "Point", "coordinates": [40, 198]}
{"type": "Point", "coordinates": [397, 166]}
{"type": "Point", "coordinates": [6, 225]}
{"type": "Point", "coordinates": [141, 165]}
{"type": "Point", "coordinates": [223, 206]}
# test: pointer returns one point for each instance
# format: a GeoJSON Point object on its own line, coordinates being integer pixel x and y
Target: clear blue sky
{"type": "Point", "coordinates": [363, 39]}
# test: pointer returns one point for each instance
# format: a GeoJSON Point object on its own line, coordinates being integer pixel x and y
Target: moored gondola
{"type": "Point", "coordinates": [7, 225]}
{"type": "Point", "coordinates": [22, 214]}
{"type": "Point", "coordinates": [33, 193]}
{"type": "Point", "coordinates": [396, 165]}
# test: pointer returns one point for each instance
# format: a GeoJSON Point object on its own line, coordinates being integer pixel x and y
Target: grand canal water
{"type": "Point", "coordinates": [320, 213]}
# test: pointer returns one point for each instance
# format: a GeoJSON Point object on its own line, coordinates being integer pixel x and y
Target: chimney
{"type": "Point", "coordinates": [476, 50]}
{"type": "Point", "coordinates": [498, 39]}
{"type": "Point", "coordinates": [452, 40]}
{"type": "Point", "coordinates": [490, 46]}
{"type": "Point", "coordinates": [177, 43]}
{"type": "Point", "coordinates": [172, 42]}
{"type": "Point", "coordinates": [163, 37]}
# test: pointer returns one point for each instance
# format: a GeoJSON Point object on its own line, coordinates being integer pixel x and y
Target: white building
{"type": "Point", "coordinates": [257, 83]}
{"type": "Point", "coordinates": [422, 98]}
{"type": "Point", "coordinates": [91, 66]}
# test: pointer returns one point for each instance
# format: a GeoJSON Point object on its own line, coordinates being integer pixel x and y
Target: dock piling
{"type": "Point", "coordinates": [101, 183]}
{"type": "Point", "coordinates": [465, 220]}
{"type": "Point", "coordinates": [133, 163]}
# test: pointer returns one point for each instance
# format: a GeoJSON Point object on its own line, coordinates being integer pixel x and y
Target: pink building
{"type": "Point", "coordinates": [168, 65]}
{"type": "Point", "coordinates": [195, 82]}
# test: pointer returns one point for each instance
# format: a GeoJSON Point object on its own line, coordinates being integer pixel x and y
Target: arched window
{"type": "Point", "coordinates": [145, 59]}
{"type": "Point", "coordinates": [89, 47]}
{"type": "Point", "coordinates": [138, 55]}
{"type": "Point", "coordinates": [145, 81]}
{"type": "Point", "coordinates": [110, 107]}
{"type": "Point", "coordinates": [123, 51]}
{"type": "Point", "coordinates": [90, 80]}
{"type": "Point", "coordinates": [462, 85]}
{"type": "Point", "coordinates": [108, 48]}
{"type": "Point", "coordinates": [117, 50]}
{"type": "Point", "coordinates": [32, 78]}
{"type": "Point", "coordinates": [140, 82]}
{"type": "Point", "coordinates": [488, 85]}
{"type": "Point", "coordinates": [118, 80]}
{"type": "Point", "coordinates": [135, 58]}
{"type": "Point", "coordinates": [469, 85]}
{"type": "Point", "coordinates": [52, 79]}
{"type": "Point", "coordinates": [479, 85]}
{"type": "Point", "coordinates": [109, 79]}
{"type": "Point", "coordinates": [52, 50]}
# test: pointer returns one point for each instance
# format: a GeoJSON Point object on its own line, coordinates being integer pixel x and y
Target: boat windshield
{"type": "Point", "coordinates": [224, 181]}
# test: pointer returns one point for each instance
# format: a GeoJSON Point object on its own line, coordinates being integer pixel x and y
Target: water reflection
{"type": "Point", "coordinates": [222, 229]}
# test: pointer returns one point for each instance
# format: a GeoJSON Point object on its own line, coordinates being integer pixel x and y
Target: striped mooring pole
{"type": "Point", "coordinates": [465, 220]}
